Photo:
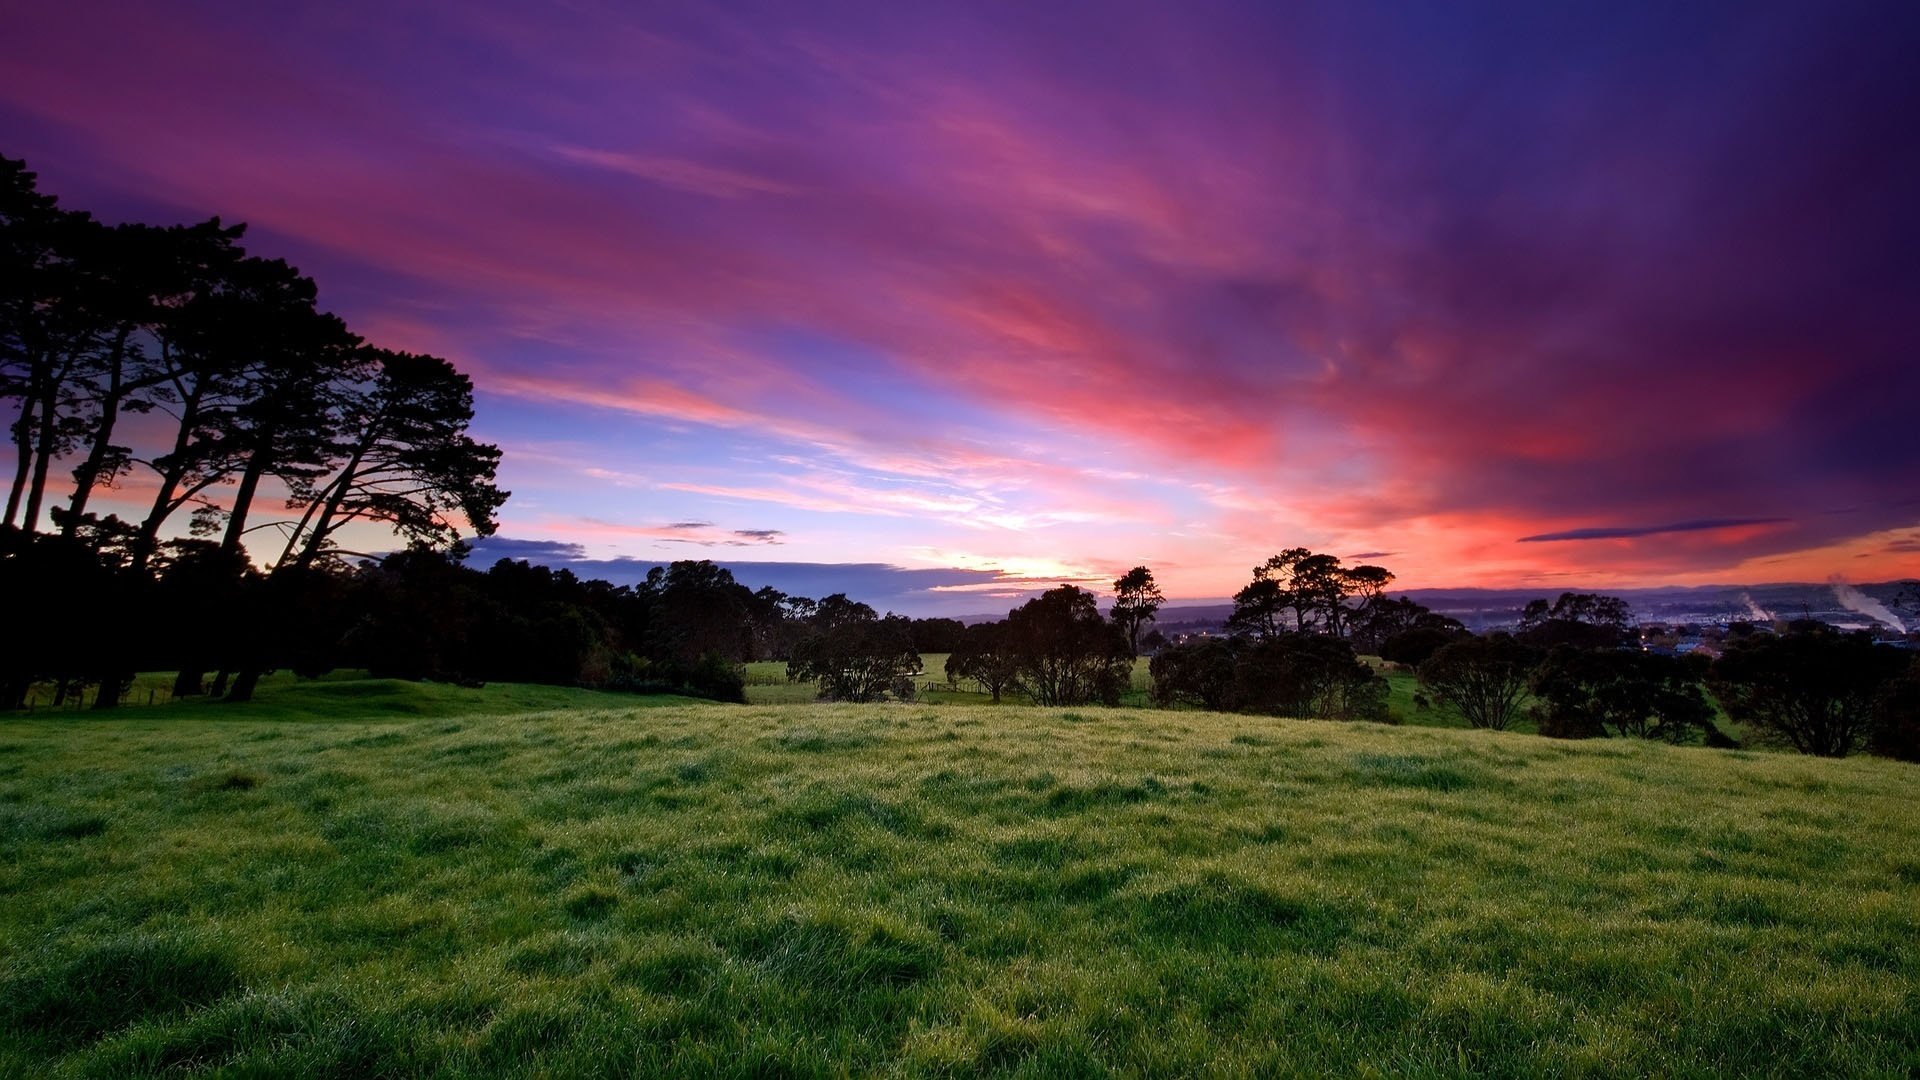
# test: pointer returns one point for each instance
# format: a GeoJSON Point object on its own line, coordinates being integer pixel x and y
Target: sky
{"type": "Point", "coordinates": [947, 302]}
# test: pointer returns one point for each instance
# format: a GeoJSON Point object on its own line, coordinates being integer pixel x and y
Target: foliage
{"type": "Point", "coordinates": [854, 655]}
{"type": "Point", "coordinates": [1584, 693]}
{"type": "Point", "coordinates": [1064, 652]}
{"type": "Point", "coordinates": [1382, 619]}
{"type": "Point", "coordinates": [1414, 646]}
{"type": "Point", "coordinates": [1896, 716]}
{"type": "Point", "coordinates": [1198, 672]}
{"type": "Point", "coordinates": [1484, 678]}
{"type": "Point", "coordinates": [1136, 597]}
{"type": "Point", "coordinates": [1812, 690]}
{"type": "Point", "coordinates": [982, 655]}
{"type": "Point", "coordinates": [1308, 675]}
{"type": "Point", "coordinates": [1581, 620]}
{"type": "Point", "coordinates": [1299, 675]}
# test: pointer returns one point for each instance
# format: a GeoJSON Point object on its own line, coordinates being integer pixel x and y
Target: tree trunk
{"type": "Point", "coordinates": [88, 474]}
{"type": "Point", "coordinates": [42, 454]}
{"type": "Point", "coordinates": [243, 502]}
{"type": "Point", "coordinates": [188, 683]}
{"type": "Point", "coordinates": [219, 684]}
{"type": "Point", "coordinates": [170, 477]}
{"type": "Point", "coordinates": [243, 685]}
{"type": "Point", "coordinates": [23, 443]}
{"type": "Point", "coordinates": [109, 695]}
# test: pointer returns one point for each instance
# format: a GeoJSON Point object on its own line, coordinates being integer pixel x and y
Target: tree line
{"type": "Point", "coordinates": [208, 387]}
{"type": "Point", "coordinates": [1572, 665]}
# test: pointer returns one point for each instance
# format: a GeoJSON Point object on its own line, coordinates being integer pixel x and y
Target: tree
{"type": "Point", "coordinates": [48, 331]}
{"type": "Point", "coordinates": [1065, 653]}
{"type": "Point", "coordinates": [697, 609]}
{"type": "Point", "coordinates": [405, 460]}
{"type": "Point", "coordinates": [1197, 672]}
{"type": "Point", "coordinates": [1414, 646]}
{"type": "Point", "coordinates": [1258, 607]}
{"type": "Point", "coordinates": [1484, 678]}
{"type": "Point", "coordinates": [298, 372]}
{"type": "Point", "coordinates": [1301, 675]}
{"type": "Point", "coordinates": [981, 655]}
{"type": "Point", "coordinates": [1314, 588]}
{"type": "Point", "coordinates": [1380, 619]}
{"type": "Point", "coordinates": [1896, 714]}
{"type": "Point", "coordinates": [854, 655]}
{"type": "Point", "coordinates": [1813, 690]}
{"type": "Point", "coordinates": [1583, 620]}
{"type": "Point", "coordinates": [1135, 600]}
{"type": "Point", "coordinates": [937, 635]}
{"type": "Point", "coordinates": [1595, 692]}
{"type": "Point", "coordinates": [1308, 676]}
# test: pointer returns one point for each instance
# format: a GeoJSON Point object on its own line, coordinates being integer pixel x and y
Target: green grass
{"type": "Point", "coordinates": [598, 887]}
{"type": "Point", "coordinates": [767, 685]}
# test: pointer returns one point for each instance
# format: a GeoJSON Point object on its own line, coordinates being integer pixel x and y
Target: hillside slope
{"type": "Point", "coordinates": [922, 890]}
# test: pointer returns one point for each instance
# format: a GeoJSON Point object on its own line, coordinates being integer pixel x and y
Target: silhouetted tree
{"type": "Point", "coordinates": [1136, 597]}
{"type": "Point", "coordinates": [1197, 672]}
{"type": "Point", "coordinates": [1592, 692]}
{"type": "Point", "coordinates": [1065, 652]}
{"type": "Point", "coordinates": [404, 459]}
{"type": "Point", "coordinates": [1414, 646]}
{"type": "Point", "coordinates": [1583, 620]}
{"type": "Point", "coordinates": [1896, 715]}
{"type": "Point", "coordinates": [1483, 678]}
{"type": "Point", "coordinates": [1813, 690]}
{"type": "Point", "coordinates": [698, 609]}
{"type": "Point", "coordinates": [49, 331]}
{"type": "Point", "coordinates": [937, 635]}
{"type": "Point", "coordinates": [982, 655]}
{"type": "Point", "coordinates": [854, 655]}
{"type": "Point", "coordinates": [1300, 675]}
{"type": "Point", "coordinates": [1380, 619]}
{"type": "Point", "coordinates": [1310, 676]}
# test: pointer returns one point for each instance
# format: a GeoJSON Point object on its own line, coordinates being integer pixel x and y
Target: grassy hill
{"type": "Point", "coordinates": [353, 878]}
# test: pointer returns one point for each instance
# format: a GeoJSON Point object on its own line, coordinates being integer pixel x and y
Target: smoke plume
{"type": "Point", "coordinates": [1854, 600]}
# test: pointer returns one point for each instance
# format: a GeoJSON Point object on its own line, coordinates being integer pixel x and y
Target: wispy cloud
{"type": "Point", "coordinates": [1623, 532]}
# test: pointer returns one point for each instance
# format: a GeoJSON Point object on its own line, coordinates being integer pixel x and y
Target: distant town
{"type": "Point", "coordinates": [1672, 621]}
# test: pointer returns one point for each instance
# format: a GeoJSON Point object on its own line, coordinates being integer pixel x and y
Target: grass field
{"type": "Point", "coordinates": [768, 686]}
{"type": "Point", "coordinates": [368, 878]}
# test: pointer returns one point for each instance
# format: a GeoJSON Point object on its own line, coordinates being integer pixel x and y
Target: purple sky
{"type": "Point", "coordinates": [1012, 294]}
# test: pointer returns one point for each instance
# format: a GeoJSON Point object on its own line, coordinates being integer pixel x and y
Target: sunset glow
{"type": "Point", "coordinates": [1010, 295]}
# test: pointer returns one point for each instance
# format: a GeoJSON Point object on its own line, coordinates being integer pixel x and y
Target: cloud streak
{"type": "Point", "coordinates": [1625, 532]}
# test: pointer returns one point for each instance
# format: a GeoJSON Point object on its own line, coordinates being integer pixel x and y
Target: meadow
{"type": "Point", "coordinates": [365, 878]}
{"type": "Point", "coordinates": [767, 685]}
